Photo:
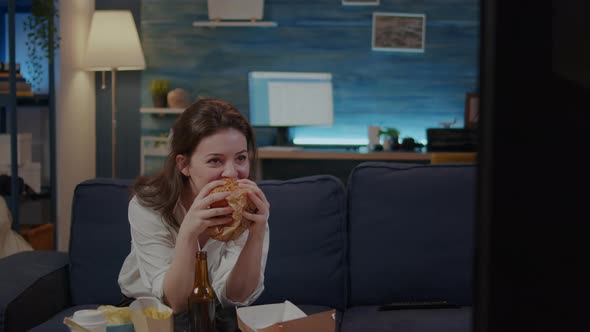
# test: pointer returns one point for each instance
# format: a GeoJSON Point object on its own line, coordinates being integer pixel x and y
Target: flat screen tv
{"type": "Point", "coordinates": [532, 246]}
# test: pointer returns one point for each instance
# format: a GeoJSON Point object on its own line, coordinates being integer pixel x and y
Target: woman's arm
{"type": "Point", "coordinates": [245, 275]}
{"type": "Point", "coordinates": [178, 280]}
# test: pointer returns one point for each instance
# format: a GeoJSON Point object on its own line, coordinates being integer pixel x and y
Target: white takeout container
{"type": "Point", "coordinates": [285, 317]}
{"type": "Point", "coordinates": [91, 319]}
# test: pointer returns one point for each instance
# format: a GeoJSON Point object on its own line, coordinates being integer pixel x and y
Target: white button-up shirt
{"type": "Point", "coordinates": [152, 251]}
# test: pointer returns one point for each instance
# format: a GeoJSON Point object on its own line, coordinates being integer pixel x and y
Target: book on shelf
{"type": "Point", "coordinates": [5, 67]}
{"type": "Point", "coordinates": [5, 76]}
{"type": "Point", "coordinates": [20, 86]}
{"type": "Point", "coordinates": [6, 79]}
{"type": "Point", "coordinates": [19, 93]}
{"type": "Point", "coordinates": [23, 88]}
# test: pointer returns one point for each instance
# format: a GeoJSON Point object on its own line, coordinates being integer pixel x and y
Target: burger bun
{"type": "Point", "coordinates": [238, 200]}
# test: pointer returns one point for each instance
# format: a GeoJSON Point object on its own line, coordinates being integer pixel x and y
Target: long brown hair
{"type": "Point", "coordinates": [201, 119]}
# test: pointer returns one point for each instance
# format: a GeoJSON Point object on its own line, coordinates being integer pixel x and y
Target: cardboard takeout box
{"type": "Point", "coordinates": [143, 323]}
{"type": "Point", "coordinates": [284, 317]}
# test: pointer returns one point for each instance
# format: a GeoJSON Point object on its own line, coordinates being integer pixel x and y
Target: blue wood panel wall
{"type": "Point", "coordinates": [410, 91]}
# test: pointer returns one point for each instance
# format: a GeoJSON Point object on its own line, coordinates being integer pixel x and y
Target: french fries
{"type": "Point", "coordinates": [152, 312]}
{"type": "Point", "coordinates": [115, 315]}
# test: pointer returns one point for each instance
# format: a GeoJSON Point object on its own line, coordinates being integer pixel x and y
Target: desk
{"type": "Point", "coordinates": [333, 155]}
{"type": "Point", "coordinates": [282, 165]}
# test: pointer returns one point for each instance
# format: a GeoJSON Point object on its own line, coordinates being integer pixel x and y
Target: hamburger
{"type": "Point", "coordinates": [238, 200]}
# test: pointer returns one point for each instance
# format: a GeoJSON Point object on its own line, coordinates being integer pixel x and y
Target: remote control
{"type": "Point", "coordinates": [417, 305]}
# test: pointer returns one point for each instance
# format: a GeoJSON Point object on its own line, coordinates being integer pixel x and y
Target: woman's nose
{"type": "Point", "coordinates": [229, 171]}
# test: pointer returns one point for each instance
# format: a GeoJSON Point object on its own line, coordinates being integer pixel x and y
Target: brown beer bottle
{"type": "Point", "coordinates": [201, 302]}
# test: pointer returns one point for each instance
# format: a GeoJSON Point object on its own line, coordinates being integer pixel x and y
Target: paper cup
{"type": "Point", "coordinates": [91, 319]}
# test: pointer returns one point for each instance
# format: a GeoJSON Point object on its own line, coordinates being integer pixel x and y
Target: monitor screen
{"type": "Point", "coordinates": [283, 99]}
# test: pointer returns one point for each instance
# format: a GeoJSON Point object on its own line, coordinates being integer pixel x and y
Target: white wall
{"type": "Point", "coordinates": [75, 111]}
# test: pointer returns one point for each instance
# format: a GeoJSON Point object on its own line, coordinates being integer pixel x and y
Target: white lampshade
{"type": "Point", "coordinates": [113, 42]}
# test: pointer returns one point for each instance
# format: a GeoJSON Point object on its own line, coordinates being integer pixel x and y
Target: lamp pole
{"type": "Point", "coordinates": [113, 44]}
{"type": "Point", "coordinates": [113, 122]}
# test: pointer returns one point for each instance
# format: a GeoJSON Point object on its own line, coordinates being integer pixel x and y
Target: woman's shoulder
{"type": "Point", "coordinates": [135, 203]}
{"type": "Point", "coordinates": [139, 211]}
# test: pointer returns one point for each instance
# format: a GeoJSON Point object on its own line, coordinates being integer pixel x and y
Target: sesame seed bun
{"type": "Point", "coordinates": [238, 200]}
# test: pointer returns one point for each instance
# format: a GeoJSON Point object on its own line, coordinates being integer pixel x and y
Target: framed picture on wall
{"type": "Point", "coordinates": [471, 110]}
{"type": "Point", "coordinates": [360, 2]}
{"type": "Point", "coordinates": [398, 32]}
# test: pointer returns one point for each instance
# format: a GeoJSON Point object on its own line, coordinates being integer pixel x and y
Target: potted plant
{"type": "Point", "coordinates": [42, 37]}
{"type": "Point", "coordinates": [390, 138]}
{"type": "Point", "coordinates": [159, 89]}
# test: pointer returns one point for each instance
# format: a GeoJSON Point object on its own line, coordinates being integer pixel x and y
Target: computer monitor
{"type": "Point", "coordinates": [287, 99]}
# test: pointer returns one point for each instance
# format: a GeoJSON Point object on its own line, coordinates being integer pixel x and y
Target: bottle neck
{"type": "Point", "coordinates": [201, 272]}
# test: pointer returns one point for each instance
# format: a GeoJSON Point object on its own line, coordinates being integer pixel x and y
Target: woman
{"type": "Point", "coordinates": [170, 213]}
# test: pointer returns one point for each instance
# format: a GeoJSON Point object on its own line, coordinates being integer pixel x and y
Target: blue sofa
{"type": "Point", "coordinates": [393, 232]}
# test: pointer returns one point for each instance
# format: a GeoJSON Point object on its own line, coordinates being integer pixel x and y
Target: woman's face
{"type": "Point", "coordinates": [223, 154]}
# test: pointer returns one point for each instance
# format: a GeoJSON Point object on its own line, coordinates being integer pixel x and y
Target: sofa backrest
{"type": "Point", "coordinates": [307, 256]}
{"type": "Point", "coordinates": [411, 232]}
{"type": "Point", "coordinates": [306, 262]}
{"type": "Point", "coordinates": [99, 240]}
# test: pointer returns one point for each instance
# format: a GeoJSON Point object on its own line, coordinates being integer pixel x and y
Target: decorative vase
{"type": "Point", "coordinates": [159, 101]}
{"type": "Point", "coordinates": [178, 98]}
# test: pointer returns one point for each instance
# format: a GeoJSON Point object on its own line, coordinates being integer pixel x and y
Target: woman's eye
{"type": "Point", "coordinates": [214, 161]}
{"type": "Point", "coordinates": [242, 158]}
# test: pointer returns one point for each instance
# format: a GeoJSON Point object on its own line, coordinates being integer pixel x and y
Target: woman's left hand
{"type": "Point", "coordinates": [260, 217]}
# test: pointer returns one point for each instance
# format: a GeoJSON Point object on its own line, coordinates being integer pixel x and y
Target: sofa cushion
{"type": "Point", "coordinates": [306, 261]}
{"type": "Point", "coordinates": [411, 232]}
{"type": "Point", "coordinates": [99, 240]}
{"type": "Point", "coordinates": [368, 319]}
{"type": "Point", "coordinates": [34, 287]}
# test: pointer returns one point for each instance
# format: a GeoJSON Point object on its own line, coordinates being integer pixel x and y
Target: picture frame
{"type": "Point", "coordinates": [360, 2]}
{"type": "Point", "coordinates": [471, 110]}
{"type": "Point", "coordinates": [398, 32]}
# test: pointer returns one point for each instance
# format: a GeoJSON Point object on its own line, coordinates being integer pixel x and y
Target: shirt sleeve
{"type": "Point", "coordinates": [228, 260]}
{"type": "Point", "coordinates": [153, 244]}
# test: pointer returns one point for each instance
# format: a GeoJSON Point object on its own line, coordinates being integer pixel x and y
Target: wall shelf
{"type": "Point", "coordinates": [260, 24]}
{"type": "Point", "coordinates": [152, 146]}
{"type": "Point", "coordinates": [161, 110]}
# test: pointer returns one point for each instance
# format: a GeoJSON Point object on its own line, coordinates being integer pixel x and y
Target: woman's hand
{"type": "Point", "coordinates": [201, 216]}
{"type": "Point", "coordinates": [260, 217]}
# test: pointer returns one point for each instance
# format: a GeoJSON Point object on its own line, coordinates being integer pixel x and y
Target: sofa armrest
{"type": "Point", "coordinates": [35, 286]}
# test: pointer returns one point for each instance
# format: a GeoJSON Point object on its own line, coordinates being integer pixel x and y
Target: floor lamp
{"type": "Point", "coordinates": [113, 44]}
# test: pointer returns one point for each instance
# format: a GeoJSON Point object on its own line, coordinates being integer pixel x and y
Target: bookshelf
{"type": "Point", "coordinates": [8, 102]}
{"type": "Point", "coordinates": [12, 102]}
